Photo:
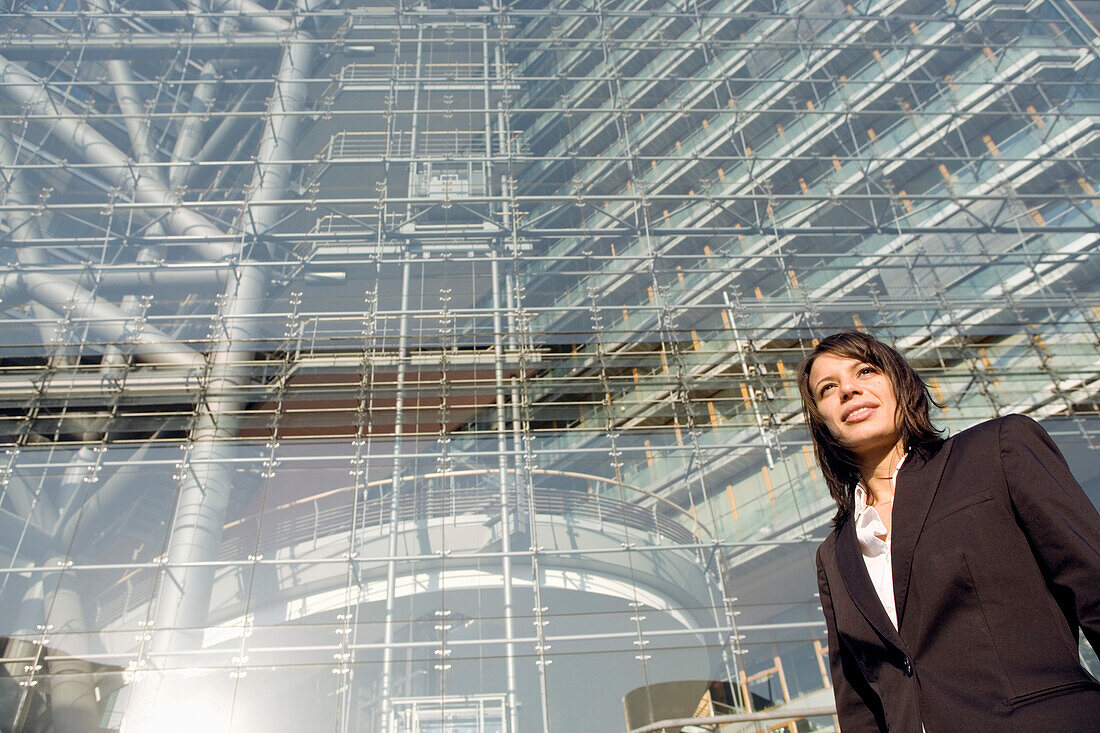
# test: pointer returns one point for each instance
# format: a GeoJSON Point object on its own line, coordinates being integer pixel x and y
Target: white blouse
{"type": "Point", "coordinates": [874, 541]}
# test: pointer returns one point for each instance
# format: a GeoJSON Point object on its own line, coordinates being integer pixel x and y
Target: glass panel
{"type": "Point", "coordinates": [432, 366]}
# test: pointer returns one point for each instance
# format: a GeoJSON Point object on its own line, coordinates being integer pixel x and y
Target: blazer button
{"type": "Point", "coordinates": [907, 667]}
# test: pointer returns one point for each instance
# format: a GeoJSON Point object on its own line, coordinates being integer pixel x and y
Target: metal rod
{"type": "Point", "coordinates": [778, 714]}
{"type": "Point", "coordinates": [390, 620]}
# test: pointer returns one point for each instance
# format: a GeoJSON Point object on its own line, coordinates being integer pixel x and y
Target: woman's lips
{"type": "Point", "coordinates": [859, 414]}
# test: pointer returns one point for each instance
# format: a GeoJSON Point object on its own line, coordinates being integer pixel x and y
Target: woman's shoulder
{"type": "Point", "coordinates": [825, 549]}
{"type": "Point", "coordinates": [994, 430]}
{"type": "Point", "coordinates": [988, 441]}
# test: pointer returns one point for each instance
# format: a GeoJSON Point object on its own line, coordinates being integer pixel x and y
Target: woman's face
{"type": "Point", "coordinates": [857, 401]}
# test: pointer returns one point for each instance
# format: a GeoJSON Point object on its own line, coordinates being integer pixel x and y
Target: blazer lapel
{"type": "Point", "coordinates": [861, 590]}
{"type": "Point", "coordinates": [913, 494]}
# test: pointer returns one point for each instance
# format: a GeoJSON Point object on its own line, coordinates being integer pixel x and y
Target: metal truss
{"type": "Point", "coordinates": [552, 259]}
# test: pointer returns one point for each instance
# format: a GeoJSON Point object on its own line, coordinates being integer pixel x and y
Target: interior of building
{"type": "Point", "coordinates": [429, 365]}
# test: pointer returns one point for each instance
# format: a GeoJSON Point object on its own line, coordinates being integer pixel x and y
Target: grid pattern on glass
{"type": "Point", "coordinates": [430, 365]}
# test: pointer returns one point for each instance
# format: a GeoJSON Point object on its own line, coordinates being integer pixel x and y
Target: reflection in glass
{"type": "Point", "coordinates": [430, 366]}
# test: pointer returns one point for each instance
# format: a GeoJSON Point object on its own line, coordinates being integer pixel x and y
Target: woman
{"type": "Point", "coordinates": [959, 570]}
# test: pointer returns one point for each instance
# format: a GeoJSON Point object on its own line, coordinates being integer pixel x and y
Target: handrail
{"type": "Point", "coordinates": [314, 521]}
{"type": "Point", "coordinates": [297, 524]}
{"type": "Point", "coordinates": [676, 723]}
{"type": "Point", "coordinates": [695, 523]}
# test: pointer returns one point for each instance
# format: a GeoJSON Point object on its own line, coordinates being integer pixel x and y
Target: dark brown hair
{"type": "Point", "coordinates": [914, 424]}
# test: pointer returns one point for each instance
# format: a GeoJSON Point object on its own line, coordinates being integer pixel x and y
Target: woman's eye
{"type": "Point", "coordinates": [866, 370]}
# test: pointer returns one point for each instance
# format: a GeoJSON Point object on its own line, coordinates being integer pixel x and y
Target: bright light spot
{"type": "Point", "coordinates": [192, 716]}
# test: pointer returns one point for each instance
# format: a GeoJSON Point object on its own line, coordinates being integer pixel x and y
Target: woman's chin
{"type": "Point", "coordinates": [865, 442]}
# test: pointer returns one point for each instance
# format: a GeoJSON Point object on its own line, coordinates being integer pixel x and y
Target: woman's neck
{"type": "Point", "coordinates": [877, 469]}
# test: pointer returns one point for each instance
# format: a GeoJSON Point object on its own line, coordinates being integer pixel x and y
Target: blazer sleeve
{"type": "Point", "coordinates": [1060, 522]}
{"type": "Point", "coordinates": [858, 708]}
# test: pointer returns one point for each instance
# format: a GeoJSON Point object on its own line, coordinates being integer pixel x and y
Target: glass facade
{"type": "Point", "coordinates": [428, 365]}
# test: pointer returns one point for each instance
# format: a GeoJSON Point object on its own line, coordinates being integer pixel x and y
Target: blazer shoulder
{"type": "Point", "coordinates": [827, 548]}
{"type": "Point", "coordinates": [825, 558]}
{"type": "Point", "coordinates": [1021, 425]}
{"type": "Point", "coordinates": [992, 430]}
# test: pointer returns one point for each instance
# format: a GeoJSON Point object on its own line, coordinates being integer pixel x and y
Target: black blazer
{"type": "Point", "coordinates": [996, 563]}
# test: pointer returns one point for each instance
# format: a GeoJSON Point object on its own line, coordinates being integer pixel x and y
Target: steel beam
{"type": "Point", "coordinates": [73, 131]}
{"type": "Point", "coordinates": [61, 295]}
{"type": "Point", "coordinates": [206, 479]}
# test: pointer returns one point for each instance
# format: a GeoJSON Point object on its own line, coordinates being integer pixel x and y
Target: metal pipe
{"type": "Point", "coordinates": [51, 620]}
{"type": "Point", "coordinates": [130, 102]}
{"type": "Point", "coordinates": [412, 557]}
{"type": "Point", "coordinates": [228, 129]}
{"type": "Point", "coordinates": [189, 136]}
{"type": "Point", "coordinates": [206, 477]}
{"type": "Point", "coordinates": [25, 641]}
{"type": "Point", "coordinates": [414, 125]}
{"type": "Point", "coordinates": [138, 44]}
{"type": "Point", "coordinates": [505, 515]}
{"type": "Point", "coordinates": [395, 497]}
{"type": "Point", "coordinates": [33, 505]}
{"type": "Point", "coordinates": [206, 481]}
{"type": "Point", "coordinates": [106, 321]}
{"type": "Point", "coordinates": [204, 493]}
{"type": "Point", "coordinates": [71, 681]}
{"type": "Point", "coordinates": [73, 131]}
{"type": "Point", "coordinates": [777, 714]}
{"type": "Point", "coordinates": [189, 133]}
{"type": "Point", "coordinates": [501, 427]}
{"type": "Point", "coordinates": [132, 306]}
{"type": "Point", "coordinates": [22, 224]}
{"type": "Point", "coordinates": [390, 620]}
{"type": "Point", "coordinates": [158, 279]}
{"type": "Point", "coordinates": [184, 585]}
{"type": "Point", "coordinates": [165, 281]}
{"type": "Point", "coordinates": [11, 290]}
{"type": "Point", "coordinates": [256, 15]}
{"type": "Point", "coordinates": [276, 151]}
{"type": "Point", "coordinates": [123, 486]}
